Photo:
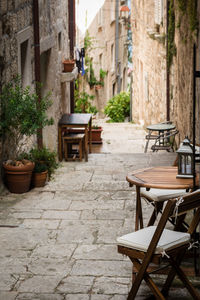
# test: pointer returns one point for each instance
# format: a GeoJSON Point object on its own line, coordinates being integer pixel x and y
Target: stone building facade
{"type": "Point", "coordinates": [17, 53]}
{"type": "Point", "coordinates": [155, 98]}
{"type": "Point", "coordinates": [149, 62]}
{"type": "Point", "coordinates": [109, 52]}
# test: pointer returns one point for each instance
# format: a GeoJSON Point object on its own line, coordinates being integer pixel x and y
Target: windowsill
{"type": "Point", "coordinates": [156, 36]}
{"type": "Point", "coordinates": [69, 76]}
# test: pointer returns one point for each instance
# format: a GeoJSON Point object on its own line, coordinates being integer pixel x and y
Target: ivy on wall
{"type": "Point", "coordinates": [186, 8]}
{"type": "Point", "coordinates": [171, 33]}
{"type": "Point", "coordinates": [189, 8]}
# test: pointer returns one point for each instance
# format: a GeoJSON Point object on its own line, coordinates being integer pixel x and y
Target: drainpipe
{"type": "Point", "coordinates": [117, 65]}
{"type": "Point", "coordinates": [36, 30]}
{"type": "Point", "coordinates": [167, 67]}
{"type": "Point", "coordinates": [72, 33]}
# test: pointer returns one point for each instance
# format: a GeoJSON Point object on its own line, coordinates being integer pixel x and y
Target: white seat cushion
{"type": "Point", "coordinates": [161, 194]}
{"type": "Point", "coordinates": [140, 240]}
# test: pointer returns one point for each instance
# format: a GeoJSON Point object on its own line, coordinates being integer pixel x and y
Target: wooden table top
{"type": "Point", "coordinates": [75, 119]}
{"type": "Point", "coordinates": [159, 177]}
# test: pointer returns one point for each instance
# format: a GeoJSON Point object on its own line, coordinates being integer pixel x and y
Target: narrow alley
{"type": "Point", "coordinates": [59, 242]}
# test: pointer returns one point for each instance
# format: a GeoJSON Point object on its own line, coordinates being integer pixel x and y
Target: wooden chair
{"type": "Point", "coordinates": [70, 139]}
{"type": "Point", "coordinates": [157, 197]}
{"type": "Point", "coordinates": [150, 244]}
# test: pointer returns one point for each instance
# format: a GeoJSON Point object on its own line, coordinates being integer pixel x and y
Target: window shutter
{"type": "Point", "coordinates": [158, 11]}
{"type": "Point", "coordinates": [100, 17]}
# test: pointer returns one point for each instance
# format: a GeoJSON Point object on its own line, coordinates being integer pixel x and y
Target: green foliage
{"type": "Point", "coordinates": [39, 168]}
{"type": "Point", "coordinates": [171, 33]}
{"type": "Point", "coordinates": [21, 115]}
{"type": "Point", "coordinates": [44, 157]}
{"type": "Point", "coordinates": [189, 8]}
{"type": "Point", "coordinates": [91, 79]}
{"type": "Point", "coordinates": [83, 103]}
{"type": "Point", "coordinates": [118, 107]}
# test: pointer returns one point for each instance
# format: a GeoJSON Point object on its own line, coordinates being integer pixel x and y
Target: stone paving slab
{"type": "Point", "coordinates": [64, 244]}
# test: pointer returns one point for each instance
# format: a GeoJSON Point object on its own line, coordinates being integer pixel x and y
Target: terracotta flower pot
{"type": "Point", "coordinates": [68, 65]}
{"type": "Point", "coordinates": [96, 135]}
{"type": "Point", "coordinates": [39, 179]}
{"type": "Point", "coordinates": [18, 178]}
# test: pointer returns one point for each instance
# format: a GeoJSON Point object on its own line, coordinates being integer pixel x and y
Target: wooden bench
{"type": "Point", "coordinates": [70, 139]}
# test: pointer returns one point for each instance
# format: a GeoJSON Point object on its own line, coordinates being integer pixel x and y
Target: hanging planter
{"type": "Point", "coordinates": [68, 65]}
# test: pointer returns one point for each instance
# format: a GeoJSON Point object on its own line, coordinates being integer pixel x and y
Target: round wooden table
{"type": "Point", "coordinates": [156, 177]}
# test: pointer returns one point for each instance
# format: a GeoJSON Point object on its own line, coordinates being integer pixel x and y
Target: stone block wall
{"type": "Point", "coordinates": [149, 65]}
{"type": "Point", "coordinates": [16, 27]}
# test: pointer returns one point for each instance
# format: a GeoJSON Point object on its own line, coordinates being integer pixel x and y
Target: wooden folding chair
{"type": "Point", "coordinates": [150, 244]}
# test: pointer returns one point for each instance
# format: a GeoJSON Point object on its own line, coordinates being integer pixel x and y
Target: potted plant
{"type": "Point", "coordinates": [83, 103]}
{"type": "Point", "coordinates": [68, 65]}
{"type": "Point", "coordinates": [21, 117]}
{"type": "Point", "coordinates": [45, 164]}
{"type": "Point", "coordinates": [96, 134]}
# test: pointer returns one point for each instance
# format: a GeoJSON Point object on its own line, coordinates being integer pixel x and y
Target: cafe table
{"type": "Point", "coordinates": [159, 128]}
{"type": "Point", "coordinates": [82, 121]}
{"type": "Point", "coordinates": [159, 178]}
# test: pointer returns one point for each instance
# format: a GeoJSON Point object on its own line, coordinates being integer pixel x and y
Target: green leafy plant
{"type": "Point", "coordinates": [83, 103]}
{"type": "Point", "coordinates": [118, 107]}
{"type": "Point", "coordinates": [21, 115]}
{"type": "Point", "coordinates": [44, 157]}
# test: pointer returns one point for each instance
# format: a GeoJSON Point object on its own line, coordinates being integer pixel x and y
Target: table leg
{"type": "Point", "coordinates": [90, 136]}
{"type": "Point", "coordinates": [138, 218]}
{"type": "Point", "coordinates": [60, 157]}
{"type": "Point", "coordinates": [86, 143]}
{"type": "Point", "coordinates": [147, 142]}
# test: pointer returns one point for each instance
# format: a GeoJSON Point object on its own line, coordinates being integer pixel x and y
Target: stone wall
{"type": "Point", "coordinates": [182, 76]}
{"type": "Point", "coordinates": [17, 56]}
{"type": "Point", "coordinates": [149, 64]}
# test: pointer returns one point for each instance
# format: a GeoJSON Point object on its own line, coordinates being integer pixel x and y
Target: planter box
{"type": "Point", "coordinates": [96, 135]}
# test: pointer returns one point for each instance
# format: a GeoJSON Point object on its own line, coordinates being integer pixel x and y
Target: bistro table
{"type": "Point", "coordinates": [160, 128]}
{"type": "Point", "coordinates": [83, 121]}
{"type": "Point", "coordinates": [156, 177]}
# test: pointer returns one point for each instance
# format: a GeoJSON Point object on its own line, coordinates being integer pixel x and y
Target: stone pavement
{"type": "Point", "coordinates": [59, 242]}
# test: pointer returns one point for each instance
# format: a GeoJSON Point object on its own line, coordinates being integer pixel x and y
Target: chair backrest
{"type": "Point", "coordinates": [177, 207]}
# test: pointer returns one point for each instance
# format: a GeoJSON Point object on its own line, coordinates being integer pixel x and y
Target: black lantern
{"type": "Point", "coordinates": [185, 160]}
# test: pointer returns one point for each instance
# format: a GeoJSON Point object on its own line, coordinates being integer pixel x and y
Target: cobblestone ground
{"type": "Point", "coordinates": [59, 242]}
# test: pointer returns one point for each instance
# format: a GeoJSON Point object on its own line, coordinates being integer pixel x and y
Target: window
{"type": "Point", "coordinates": [24, 56]}
{"type": "Point", "coordinates": [158, 11]}
{"type": "Point", "coordinates": [112, 11]}
{"type": "Point", "coordinates": [59, 41]}
{"type": "Point", "coordinates": [112, 58]}
{"type": "Point", "coordinates": [100, 61]}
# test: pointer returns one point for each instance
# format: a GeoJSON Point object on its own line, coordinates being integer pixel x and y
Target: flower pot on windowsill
{"type": "Point", "coordinates": [98, 87]}
{"type": "Point", "coordinates": [68, 65]}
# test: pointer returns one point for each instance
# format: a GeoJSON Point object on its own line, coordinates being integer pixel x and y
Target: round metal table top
{"type": "Point", "coordinates": [161, 127]}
